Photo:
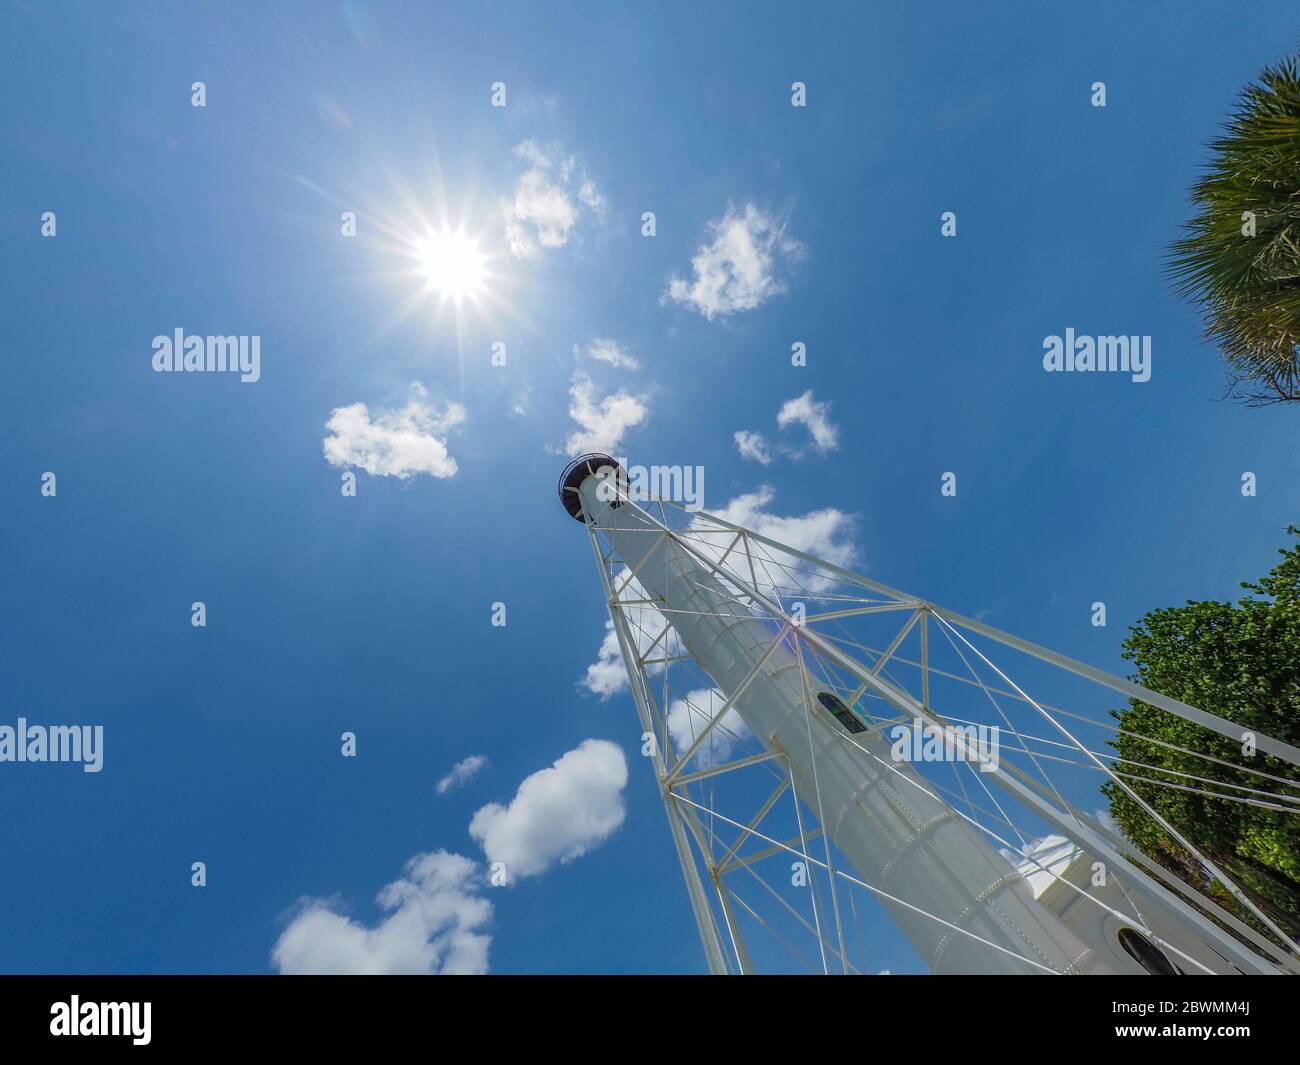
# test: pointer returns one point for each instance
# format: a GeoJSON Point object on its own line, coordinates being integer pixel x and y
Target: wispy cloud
{"type": "Point", "coordinates": [753, 446]}
{"type": "Point", "coordinates": [394, 443]}
{"type": "Point", "coordinates": [550, 197]}
{"type": "Point", "coordinates": [558, 813]}
{"type": "Point", "coordinates": [462, 773]}
{"type": "Point", "coordinates": [609, 351]}
{"type": "Point", "coordinates": [740, 267]}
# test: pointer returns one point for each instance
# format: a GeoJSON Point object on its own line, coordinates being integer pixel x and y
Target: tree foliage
{"type": "Point", "coordinates": [1239, 661]}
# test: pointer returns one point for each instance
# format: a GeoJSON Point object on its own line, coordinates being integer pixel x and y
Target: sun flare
{"type": "Point", "coordinates": [452, 264]}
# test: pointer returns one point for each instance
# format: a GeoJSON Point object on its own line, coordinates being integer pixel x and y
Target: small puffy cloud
{"type": "Point", "coordinates": [434, 926]}
{"type": "Point", "coordinates": [462, 773]}
{"type": "Point", "coordinates": [691, 714]}
{"type": "Point", "coordinates": [559, 813]}
{"type": "Point", "coordinates": [753, 446]}
{"type": "Point", "coordinates": [603, 419]}
{"type": "Point", "coordinates": [802, 410]}
{"type": "Point", "coordinates": [606, 675]}
{"type": "Point", "coordinates": [394, 443]}
{"type": "Point", "coordinates": [436, 915]}
{"type": "Point", "coordinates": [549, 198]}
{"type": "Point", "coordinates": [806, 411]}
{"type": "Point", "coordinates": [739, 268]}
{"type": "Point", "coordinates": [547, 207]}
{"type": "Point", "coordinates": [609, 351]}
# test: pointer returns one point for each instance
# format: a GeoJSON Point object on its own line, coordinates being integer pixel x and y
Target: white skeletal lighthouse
{"type": "Point", "coordinates": [714, 601]}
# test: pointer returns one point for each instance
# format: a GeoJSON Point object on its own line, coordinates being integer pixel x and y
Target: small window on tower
{"type": "Point", "coordinates": [1146, 953]}
{"type": "Point", "coordinates": [841, 713]}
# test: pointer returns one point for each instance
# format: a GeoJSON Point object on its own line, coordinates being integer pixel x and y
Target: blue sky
{"type": "Point", "coordinates": [371, 614]}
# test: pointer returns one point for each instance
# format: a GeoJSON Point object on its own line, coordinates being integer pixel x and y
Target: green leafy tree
{"type": "Point", "coordinates": [1240, 661]}
{"type": "Point", "coordinates": [1240, 259]}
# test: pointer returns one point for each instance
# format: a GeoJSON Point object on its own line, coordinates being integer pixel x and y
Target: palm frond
{"type": "Point", "coordinates": [1249, 284]}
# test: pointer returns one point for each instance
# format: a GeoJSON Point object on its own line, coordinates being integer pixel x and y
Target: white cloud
{"type": "Point", "coordinates": [806, 411]}
{"type": "Point", "coordinates": [591, 198]}
{"type": "Point", "coordinates": [738, 269]}
{"type": "Point", "coordinates": [606, 675]}
{"type": "Point", "coordinates": [827, 533]}
{"type": "Point", "coordinates": [753, 446]}
{"type": "Point", "coordinates": [436, 913]}
{"type": "Point", "coordinates": [691, 714]}
{"type": "Point", "coordinates": [1107, 822]}
{"type": "Point", "coordinates": [549, 198]}
{"type": "Point", "coordinates": [531, 152]}
{"type": "Point", "coordinates": [609, 351]}
{"type": "Point", "coordinates": [558, 813]}
{"type": "Point", "coordinates": [802, 410]}
{"type": "Point", "coordinates": [394, 443]}
{"type": "Point", "coordinates": [462, 773]}
{"type": "Point", "coordinates": [434, 926]}
{"type": "Point", "coordinates": [604, 419]}
{"type": "Point", "coordinates": [1042, 860]}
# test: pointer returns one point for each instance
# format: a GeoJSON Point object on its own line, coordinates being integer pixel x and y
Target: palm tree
{"type": "Point", "coordinates": [1240, 259]}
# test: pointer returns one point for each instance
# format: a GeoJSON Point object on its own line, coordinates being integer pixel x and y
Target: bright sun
{"type": "Point", "coordinates": [452, 264]}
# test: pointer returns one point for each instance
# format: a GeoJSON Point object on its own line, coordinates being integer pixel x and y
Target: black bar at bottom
{"type": "Point", "coordinates": [598, 1017]}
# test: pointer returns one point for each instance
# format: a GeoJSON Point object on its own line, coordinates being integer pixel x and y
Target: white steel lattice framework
{"type": "Point", "coordinates": [775, 692]}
